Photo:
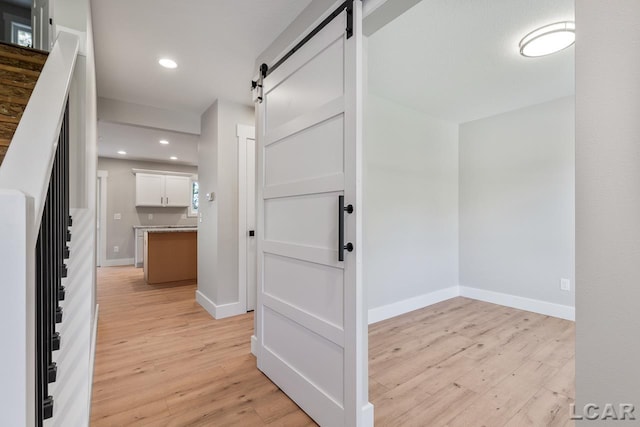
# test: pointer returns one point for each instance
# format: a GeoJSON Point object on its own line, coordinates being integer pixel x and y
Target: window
{"type": "Point", "coordinates": [21, 34]}
{"type": "Point", "coordinates": [18, 28]}
{"type": "Point", "coordinates": [195, 198]}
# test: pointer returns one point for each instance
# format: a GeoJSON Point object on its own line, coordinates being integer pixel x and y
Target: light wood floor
{"type": "Point", "coordinates": [464, 363]}
{"type": "Point", "coordinates": [161, 360]}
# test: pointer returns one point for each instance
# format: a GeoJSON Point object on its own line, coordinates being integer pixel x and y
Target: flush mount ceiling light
{"type": "Point", "coordinates": [168, 63]}
{"type": "Point", "coordinates": [122, 153]}
{"type": "Point", "coordinates": [173, 158]}
{"type": "Point", "coordinates": [164, 142]}
{"type": "Point", "coordinates": [548, 39]}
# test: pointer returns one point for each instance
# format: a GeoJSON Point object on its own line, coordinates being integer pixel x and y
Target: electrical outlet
{"type": "Point", "coordinates": [565, 284]}
{"type": "Point", "coordinates": [183, 216]}
{"type": "Point", "coordinates": [116, 249]}
{"type": "Point", "coordinates": [150, 216]}
{"type": "Point", "coordinates": [117, 216]}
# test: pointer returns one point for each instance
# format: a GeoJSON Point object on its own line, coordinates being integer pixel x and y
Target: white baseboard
{"type": "Point", "coordinates": [254, 345]}
{"type": "Point", "coordinates": [92, 353]}
{"type": "Point", "coordinates": [117, 262]}
{"type": "Point", "coordinates": [367, 415]}
{"type": "Point", "coordinates": [219, 311]}
{"type": "Point", "coordinates": [405, 306]}
{"type": "Point", "coordinates": [521, 303]}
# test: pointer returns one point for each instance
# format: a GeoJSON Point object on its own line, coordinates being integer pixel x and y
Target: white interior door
{"type": "Point", "coordinates": [312, 326]}
{"type": "Point", "coordinates": [247, 216]}
{"type": "Point", "coordinates": [252, 287]}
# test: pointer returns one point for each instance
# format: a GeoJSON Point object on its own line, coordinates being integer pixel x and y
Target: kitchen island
{"type": "Point", "coordinates": [138, 237]}
{"type": "Point", "coordinates": [170, 255]}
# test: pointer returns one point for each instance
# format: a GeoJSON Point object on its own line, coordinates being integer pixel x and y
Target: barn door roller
{"type": "Point", "coordinates": [265, 70]}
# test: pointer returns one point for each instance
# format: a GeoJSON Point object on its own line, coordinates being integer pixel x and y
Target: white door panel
{"type": "Point", "coordinates": [318, 150]}
{"type": "Point", "coordinates": [303, 220]}
{"type": "Point", "coordinates": [313, 78]}
{"type": "Point", "coordinates": [311, 318]}
{"type": "Point", "coordinates": [317, 404]}
{"type": "Point", "coordinates": [300, 123]}
{"type": "Point", "coordinates": [312, 287]}
{"type": "Point", "coordinates": [319, 81]}
{"type": "Point", "coordinates": [293, 343]}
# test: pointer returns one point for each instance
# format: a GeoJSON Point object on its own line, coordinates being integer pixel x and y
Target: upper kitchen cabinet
{"type": "Point", "coordinates": [150, 189]}
{"type": "Point", "coordinates": [162, 190]}
{"type": "Point", "coordinates": [177, 191]}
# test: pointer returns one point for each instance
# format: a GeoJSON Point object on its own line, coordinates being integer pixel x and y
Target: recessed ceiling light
{"type": "Point", "coordinates": [173, 158]}
{"type": "Point", "coordinates": [164, 142]}
{"type": "Point", "coordinates": [122, 153]}
{"type": "Point", "coordinates": [168, 63]}
{"type": "Point", "coordinates": [548, 39]}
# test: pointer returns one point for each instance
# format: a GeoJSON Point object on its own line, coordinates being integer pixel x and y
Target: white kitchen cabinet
{"type": "Point", "coordinates": [149, 189]}
{"type": "Point", "coordinates": [139, 247]}
{"type": "Point", "coordinates": [162, 190]}
{"type": "Point", "coordinates": [177, 191]}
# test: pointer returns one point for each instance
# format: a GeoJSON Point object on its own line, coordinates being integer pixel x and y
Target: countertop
{"type": "Point", "coordinates": [163, 226]}
{"type": "Point", "coordinates": [173, 230]}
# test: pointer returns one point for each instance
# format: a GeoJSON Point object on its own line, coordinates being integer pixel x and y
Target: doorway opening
{"type": "Point", "coordinates": [469, 214]}
{"type": "Point", "coordinates": [15, 23]}
{"type": "Point", "coordinates": [247, 258]}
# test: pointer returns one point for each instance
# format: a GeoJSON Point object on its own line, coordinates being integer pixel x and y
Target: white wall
{"type": "Point", "coordinates": [91, 129]}
{"type": "Point", "coordinates": [302, 22]}
{"type": "Point", "coordinates": [71, 14]}
{"type": "Point", "coordinates": [218, 230]}
{"type": "Point", "coordinates": [115, 111]}
{"type": "Point", "coordinates": [230, 115]}
{"type": "Point", "coordinates": [517, 202]}
{"type": "Point", "coordinates": [207, 211]}
{"type": "Point", "coordinates": [411, 203]}
{"type": "Point", "coordinates": [77, 136]}
{"type": "Point", "coordinates": [607, 204]}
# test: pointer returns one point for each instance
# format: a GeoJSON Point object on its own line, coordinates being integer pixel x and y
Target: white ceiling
{"type": "Point", "coordinates": [215, 43]}
{"type": "Point", "coordinates": [459, 60]}
{"type": "Point", "coordinates": [143, 144]}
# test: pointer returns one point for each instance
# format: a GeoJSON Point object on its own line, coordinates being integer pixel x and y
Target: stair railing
{"type": "Point", "coordinates": [34, 229]}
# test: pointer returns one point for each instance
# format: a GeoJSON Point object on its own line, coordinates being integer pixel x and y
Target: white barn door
{"type": "Point", "coordinates": [311, 318]}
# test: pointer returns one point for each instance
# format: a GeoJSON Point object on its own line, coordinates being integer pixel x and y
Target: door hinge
{"type": "Point", "coordinates": [257, 86]}
{"type": "Point", "coordinates": [256, 90]}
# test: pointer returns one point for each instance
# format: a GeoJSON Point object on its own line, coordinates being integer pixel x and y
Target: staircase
{"type": "Point", "coordinates": [19, 70]}
{"type": "Point", "coordinates": [37, 336]}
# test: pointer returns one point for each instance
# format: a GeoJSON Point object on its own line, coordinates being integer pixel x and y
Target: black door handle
{"type": "Point", "coordinates": [252, 233]}
{"type": "Point", "coordinates": [341, 245]}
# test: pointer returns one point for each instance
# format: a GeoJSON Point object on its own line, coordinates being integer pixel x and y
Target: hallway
{"type": "Point", "coordinates": [161, 360]}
